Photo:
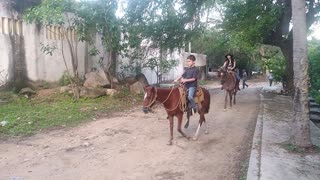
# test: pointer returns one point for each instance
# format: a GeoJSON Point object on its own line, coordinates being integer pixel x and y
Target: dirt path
{"type": "Point", "coordinates": [132, 146]}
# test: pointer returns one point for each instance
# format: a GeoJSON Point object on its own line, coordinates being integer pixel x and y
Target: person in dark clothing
{"type": "Point", "coordinates": [190, 79]}
{"type": "Point", "coordinates": [244, 79]}
{"type": "Point", "coordinates": [270, 77]}
{"type": "Point", "coordinates": [231, 65]}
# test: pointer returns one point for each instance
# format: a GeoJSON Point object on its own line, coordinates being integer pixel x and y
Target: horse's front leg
{"type": "Point", "coordinates": [179, 116]}
{"type": "Point", "coordinates": [202, 119]}
{"type": "Point", "coordinates": [230, 96]}
{"type": "Point", "coordinates": [171, 129]}
{"type": "Point", "coordinates": [188, 119]}
{"type": "Point", "coordinates": [234, 97]}
{"type": "Point", "coordinates": [225, 99]}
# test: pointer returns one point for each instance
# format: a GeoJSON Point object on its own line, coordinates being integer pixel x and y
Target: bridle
{"type": "Point", "coordinates": [155, 98]}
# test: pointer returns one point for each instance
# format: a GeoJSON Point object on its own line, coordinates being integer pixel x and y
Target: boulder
{"type": "Point", "coordinates": [92, 92]}
{"type": "Point", "coordinates": [96, 80]}
{"type": "Point", "coordinates": [137, 88]}
{"type": "Point", "coordinates": [130, 80]}
{"type": "Point", "coordinates": [66, 89]}
{"type": "Point", "coordinates": [28, 92]}
{"type": "Point", "coordinates": [142, 79]}
{"type": "Point", "coordinates": [111, 92]}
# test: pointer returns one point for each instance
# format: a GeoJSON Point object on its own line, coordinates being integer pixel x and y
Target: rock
{"type": "Point", "coordinates": [115, 80]}
{"type": "Point", "coordinates": [137, 88]}
{"type": "Point", "coordinates": [92, 92]}
{"type": "Point", "coordinates": [3, 123]}
{"type": "Point", "coordinates": [96, 80]}
{"type": "Point", "coordinates": [139, 77]}
{"type": "Point", "coordinates": [66, 89]}
{"type": "Point", "coordinates": [130, 80]}
{"type": "Point", "coordinates": [27, 92]}
{"type": "Point", "coordinates": [142, 79]}
{"type": "Point", "coordinates": [111, 92]}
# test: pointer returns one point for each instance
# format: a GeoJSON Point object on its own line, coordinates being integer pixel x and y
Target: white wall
{"type": "Point", "coordinates": [38, 65]}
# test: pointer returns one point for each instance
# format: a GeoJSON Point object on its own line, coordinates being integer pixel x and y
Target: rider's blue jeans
{"type": "Point", "coordinates": [191, 92]}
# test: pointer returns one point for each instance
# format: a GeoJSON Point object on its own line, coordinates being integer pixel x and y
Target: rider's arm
{"type": "Point", "coordinates": [225, 64]}
{"type": "Point", "coordinates": [178, 79]}
{"type": "Point", "coordinates": [234, 65]}
{"type": "Point", "coordinates": [189, 80]}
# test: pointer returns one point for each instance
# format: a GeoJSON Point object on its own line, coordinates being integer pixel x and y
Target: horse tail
{"type": "Point", "coordinates": [206, 103]}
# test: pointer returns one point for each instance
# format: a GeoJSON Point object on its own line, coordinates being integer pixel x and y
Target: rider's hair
{"type": "Point", "coordinates": [191, 57]}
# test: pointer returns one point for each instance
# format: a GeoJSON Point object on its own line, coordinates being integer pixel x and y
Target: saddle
{"type": "Point", "coordinates": [198, 97]}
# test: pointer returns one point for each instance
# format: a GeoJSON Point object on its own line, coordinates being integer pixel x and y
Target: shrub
{"type": "Point", "coordinates": [65, 79]}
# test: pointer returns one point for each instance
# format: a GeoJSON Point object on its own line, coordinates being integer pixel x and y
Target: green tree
{"type": "Point", "coordinates": [266, 22]}
{"type": "Point", "coordinates": [164, 24]}
{"type": "Point", "coordinates": [314, 67]}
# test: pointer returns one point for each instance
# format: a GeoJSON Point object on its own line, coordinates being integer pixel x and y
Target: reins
{"type": "Point", "coordinates": [155, 98]}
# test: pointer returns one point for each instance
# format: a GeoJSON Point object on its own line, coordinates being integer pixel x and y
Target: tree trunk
{"type": "Point", "coordinates": [301, 79]}
{"type": "Point", "coordinates": [287, 81]}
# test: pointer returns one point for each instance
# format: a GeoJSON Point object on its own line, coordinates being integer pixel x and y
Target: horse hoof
{"type": "Point", "coordinates": [169, 143]}
{"type": "Point", "coordinates": [188, 137]}
{"type": "Point", "coordinates": [224, 110]}
{"type": "Point", "coordinates": [195, 138]}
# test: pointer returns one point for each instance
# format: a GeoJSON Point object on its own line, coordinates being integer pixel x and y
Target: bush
{"type": "Point", "coordinates": [314, 66]}
{"type": "Point", "coordinates": [65, 79]}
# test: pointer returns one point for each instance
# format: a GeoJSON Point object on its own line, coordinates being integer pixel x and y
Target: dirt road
{"type": "Point", "coordinates": [132, 146]}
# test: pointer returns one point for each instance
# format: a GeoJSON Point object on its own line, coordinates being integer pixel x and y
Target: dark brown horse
{"type": "Point", "coordinates": [230, 85]}
{"type": "Point", "coordinates": [171, 100]}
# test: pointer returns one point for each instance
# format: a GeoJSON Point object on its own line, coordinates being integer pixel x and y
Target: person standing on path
{"type": "Point", "coordinates": [270, 77]}
{"type": "Point", "coordinates": [244, 79]}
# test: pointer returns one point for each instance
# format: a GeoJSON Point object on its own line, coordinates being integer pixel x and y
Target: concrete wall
{"type": "Point", "coordinates": [21, 55]}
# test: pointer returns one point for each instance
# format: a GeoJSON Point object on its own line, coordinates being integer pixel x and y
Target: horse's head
{"type": "Point", "coordinates": [150, 97]}
{"type": "Point", "coordinates": [222, 73]}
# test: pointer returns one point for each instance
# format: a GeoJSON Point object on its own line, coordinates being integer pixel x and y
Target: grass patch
{"type": "Point", "coordinates": [25, 117]}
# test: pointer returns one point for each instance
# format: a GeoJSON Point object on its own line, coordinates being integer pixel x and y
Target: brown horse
{"type": "Point", "coordinates": [230, 85]}
{"type": "Point", "coordinates": [171, 99]}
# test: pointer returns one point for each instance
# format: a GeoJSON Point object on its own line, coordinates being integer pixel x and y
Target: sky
{"type": "Point", "coordinates": [316, 31]}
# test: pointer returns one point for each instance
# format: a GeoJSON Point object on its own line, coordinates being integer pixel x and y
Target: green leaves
{"type": "Point", "coordinates": [314, 64]}
{"type": "Point", "coordinates": [48, 49]}
{"type": "Point", "coordinates": [50, 12]}
{"type": "Point", "coordinates": [163, 22]}
{"type": "Point", "coordinates": [250, 21]}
